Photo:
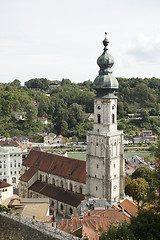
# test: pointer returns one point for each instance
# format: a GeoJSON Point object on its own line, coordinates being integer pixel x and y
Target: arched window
{"type": "Point", "coordinates": [61, 206]}
{"type": "Point", "coordinates": [62, 183]}
{"type": "Point", "coordinates": [40, 177]}
{"type": "Point", "coordinates": [113, 118]}
{"type": "Point", "coordinates": [46, 179]}
{"type": "Point", "coordinates": [5, 180]}
{"type": "Point", "coordinates": [80, 190]}
{"type": "Point", "coordinates": [53, 181]}
{"type": "Point", "coordinates": [99, 118]}
{"type": "Point", "coordinates": [13, 179]}
{"type": "Point", "coordinates": [71, 211]}
{"type": "Point", "coordinates": [71, 187]}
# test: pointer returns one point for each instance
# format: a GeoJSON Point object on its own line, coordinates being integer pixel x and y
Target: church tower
{"type": "Point", "coordinates": [104, 161]}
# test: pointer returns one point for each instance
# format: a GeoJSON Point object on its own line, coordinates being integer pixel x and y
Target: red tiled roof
{"type": "Point", "coordinates": [69, 168]}
{"type": "Point", "coordinates": [51, 191]}
{"type": "Point", "coordinates": [129, 206]}
{"type": "Point", "coordinates": [95, 221]}
{"type": "Point", "coordinates": [28, 175]}
{"type": "Point", "coordinates": [4, 184]}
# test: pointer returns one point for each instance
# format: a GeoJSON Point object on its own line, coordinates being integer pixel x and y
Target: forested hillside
{"type": "Point", "coordinates": [66, 104]}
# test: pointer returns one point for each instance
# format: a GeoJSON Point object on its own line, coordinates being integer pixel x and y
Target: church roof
{"type": "Point", "coordinates": [28, 175]}
{"type": "Point", "coordinates": [61, 166]}
{"type": "Point", "coordinates": [57, 193]}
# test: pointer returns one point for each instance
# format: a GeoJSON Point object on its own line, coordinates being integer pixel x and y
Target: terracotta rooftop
{"type": "Point", "coordinates": [129, 206]}
{"type": "Point", "coordinates": [4, 184]}
{"type": "Point", "coordinates": [93, 222]}
{"type": "Point", "coordinates": [51, 191]}
{"type": "Point", "coordinates": [28, 175]}
{"type": "Point", "coordinates": [65, 167]}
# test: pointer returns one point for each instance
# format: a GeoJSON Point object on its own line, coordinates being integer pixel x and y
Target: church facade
{"type": "Point", "coordinates": [65, 181]}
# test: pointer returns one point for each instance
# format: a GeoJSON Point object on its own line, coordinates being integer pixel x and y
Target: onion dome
{"type": "Point", "coordinates": [105, 81]}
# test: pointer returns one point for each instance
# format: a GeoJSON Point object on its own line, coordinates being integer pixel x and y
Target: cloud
{"type": "Point", "coordinates": [145, 49]}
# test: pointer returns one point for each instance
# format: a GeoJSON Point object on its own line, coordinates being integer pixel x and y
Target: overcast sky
{"type": "Point", "coordinates": [57, 39]}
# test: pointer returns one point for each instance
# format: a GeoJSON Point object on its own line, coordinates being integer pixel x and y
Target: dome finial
{"type": "Point", "coordinates": [105, 42]}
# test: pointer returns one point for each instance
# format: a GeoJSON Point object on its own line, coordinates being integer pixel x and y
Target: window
{"type": "Point", "coordinates": [71, 187]}
{"type": "Point", "coordinates": [114, 165]}
{"type": "Point", "coordinates": [96, 188]}
{"type": "Point", "coordinates": [13, 180]}
{"type": "Point", "coordinates": [80, 190]}
{"type": "Point", "coordinates": [11, 172]}
{"type": "Point", "coordinates": [4, 165]}
{"type": "Point", "coordinates": [15, 172]}
{"type": "Point", "coordinates": [53, 181]}
{"type": "Point", "coordinates": [97, 166]}
{"type": "Point", "coordinates": [40, 177]}
{"type": "Point", "coordinates": [71, 211]}
{"type": "Point", "coordinates": [99, 118]}
{"type": "Point", "coordinates": [46, 179]}
{"type": "Point", "coordinates": [4, 173]}
{"type": "Point", "coordinates": [19, 164]}
{"type": "Point", "coordinates": [15, 165]}
{"type": "Point", "coordinates": [61, 183]}
{"type": "Point", "coordinates": [5, 180]}
{"type": "Point", "coordinates": [53, 203]}
{"type": "Point", "coordinates": [11, 165]}
{"type": "Point", "coordinates": [95, 176]}
{"type": "Point", "coordinates": [61, 206]}
{"type": "Point", "coordinates": [113, 118]}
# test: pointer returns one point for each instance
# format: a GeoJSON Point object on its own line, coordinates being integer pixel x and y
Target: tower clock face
{"type": "Point", "coordinates": [99, 107]}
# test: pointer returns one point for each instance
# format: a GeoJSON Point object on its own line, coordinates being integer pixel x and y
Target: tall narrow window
{"type": "Point", "coordinates": [99, 118]}
{"type": "Point", "coordinates": [113, 118]}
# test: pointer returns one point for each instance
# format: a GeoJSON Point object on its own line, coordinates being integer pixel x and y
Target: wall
{"type": "Point", "coordinates": [18, 227]}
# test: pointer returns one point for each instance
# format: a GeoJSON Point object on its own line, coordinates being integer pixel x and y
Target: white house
{"type": "Point", "coordinates": [43, 120]}
{"type": "Point", "coordinates": [10, 164]}
{"type": "Point", "coordinates": [23, 140]}
{"type": "Point", "coordinates": [49, 139]}
{"type": "Point", "coordinates": [20, 116]}
{"type": "Point", "coordinates": [6, 190]}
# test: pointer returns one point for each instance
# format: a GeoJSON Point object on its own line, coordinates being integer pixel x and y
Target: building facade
{"type": "Point", "coordinates": [10, 165]}
{"type": "Point", "coordinates": [104, 162]}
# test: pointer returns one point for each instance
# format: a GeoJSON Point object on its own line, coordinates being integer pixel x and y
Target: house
{"type": "Point", "coordinates": [6, 190]}
{"type": "Point", "coordinates": [59, 139]}
{"type": "Point", "coordinates": [10, 164]}
{"type": "Point", "coordinates": [148, 136]}
{"type": "Point", "coordinates": [136, 162]}
{"type": "Point", "coordinates": [2, 138]}
{"type": "Point", "coordinates": [59, 178]}
{"type": "Point", "coordinates": [20, 116]}
{"type": "Point", "coordinates": [129, 207]}
{"type": "Point", "coordinates": [23, 140]}
{"type": "Point", "coordinates": [30, 207]}
{"type": "Point", "coordinates": [49, 139]}
{"type": "Point", "coordinates": [53, 86]}
{"type": "Point", "coordinates": [44, 120]}
{"type": "Point", "coordinates": [90, 117]}
{"type": "Point", "coordinates": [14, 144]}
{"type": "Point", "coordinates": [90, 224]}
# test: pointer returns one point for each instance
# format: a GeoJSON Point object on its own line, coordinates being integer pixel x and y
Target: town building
{"type": "Point", "coordinates": [10, 164]}
{"type": "Point", "coordinates": [49, 139]}
{"type": "Point", "coordinates": [6, 191]}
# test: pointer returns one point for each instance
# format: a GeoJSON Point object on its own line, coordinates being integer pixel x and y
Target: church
{"type": "Point", "coordinates": [66, 181]}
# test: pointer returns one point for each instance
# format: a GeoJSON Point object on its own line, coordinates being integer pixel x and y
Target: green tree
{"type": "Point", "coordinates": [118, 231]}
{"type": "Point", "coordinates": [138, 189]}
{"type": "Point", "coordinates": [146, 173]}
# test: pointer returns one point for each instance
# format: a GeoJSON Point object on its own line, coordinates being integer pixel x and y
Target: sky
{"type": "Point", "coordinates": [58, 39]}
